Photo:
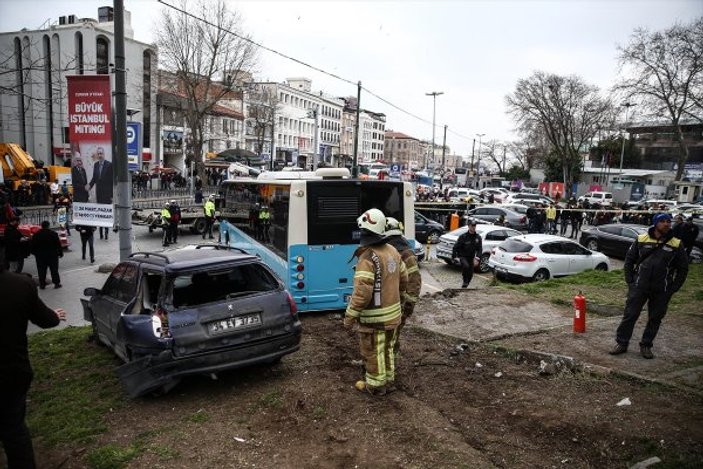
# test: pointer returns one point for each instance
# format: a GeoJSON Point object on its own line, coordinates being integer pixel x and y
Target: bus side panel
{"type": "Point", "coordinates": [328, 276]}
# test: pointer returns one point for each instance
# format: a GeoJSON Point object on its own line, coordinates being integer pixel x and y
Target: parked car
{"type": "Point", "coordinates": [519, 208]}
{"type": "Point", "coordinates": [197, 310]}
{"type": "Point", "coordinates": [540, 257]}
{"type": "Point", "coordinates": [491, 236]}
{"type": "Point", "coordinates": [491, 213]}
{"type": "Point", "coordinates": [427, 230]}
{"type": "Point", "coordinates": [499, 194]}
{"type": "Point", "coordinates": [460, 194]}
{"type": "Point", "coordinates": [613, 239]}
{"type": "Point", "coordinates": [604, 199]}
{"type": "Point", "coordinates": [527, 199]}
{"type": "Point", "coordinates": [419, 250]}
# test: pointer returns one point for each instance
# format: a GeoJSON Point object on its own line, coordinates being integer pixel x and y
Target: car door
{"type": "Point", "coordinates": [420, 227]}
{"type": "Point", "coordinates": [610, 237]}
{"type": "Point", "coordinates": [579, 258]}
{"type": "Point", "coordinates": [627, 237]}
{"type": "Point", "coordinates": [107, 304]}
{"type": "Point", "coordinates": [481, 214]}
{"type": "Point", "coordinates": [555, 259]}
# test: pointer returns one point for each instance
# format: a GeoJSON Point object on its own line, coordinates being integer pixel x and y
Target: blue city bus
{"type": "Point", "coordinates": [312, 232]}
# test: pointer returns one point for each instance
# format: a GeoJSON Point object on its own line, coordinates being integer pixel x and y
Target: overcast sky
{"type": "Point", "coordinates": [474, 51]}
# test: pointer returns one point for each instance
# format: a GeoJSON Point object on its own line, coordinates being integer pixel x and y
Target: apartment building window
{"type": "Point", "coordinates": [79, 52]}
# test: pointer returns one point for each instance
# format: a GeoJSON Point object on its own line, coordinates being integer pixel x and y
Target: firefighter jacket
{"type": "Point", "coordinates": [656, 265]}
{"type": "Point", "coordinates": [379, 283]}
{"type": "Point", "coordinates": [209, 209]}
{"type": "Point", "coordinates": [468, 245]}
{"type": "Point", "coordinates": [412, 292]}
{"type": "Point", "coordinates": [165, 216]}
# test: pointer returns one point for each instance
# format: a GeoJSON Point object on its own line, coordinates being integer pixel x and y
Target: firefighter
{"type": "Point", "coordinates": [380, 280]}
{"type": "Point", "coordinates": [209, 212]}
{"type": "Point", "coordinates": [656, 267]}
{"type": "Point", "coordinates": [394, 235]}
{"type": "Point", "coordinates": [165, 224]}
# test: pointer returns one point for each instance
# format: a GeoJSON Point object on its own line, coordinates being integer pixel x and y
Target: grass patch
{"type": "Point", "coordinates": [609, 288]}
{"type": "Point", "coordinates": [74, 386]}
{"type": "Point", "coordinates": [113, 456]}
{"type": "Point", "coordinates": [164, 453]}
{"type": "Point", "coordinates": [272, 399]}
{"type": "Point", "coordinates": [199, 417]}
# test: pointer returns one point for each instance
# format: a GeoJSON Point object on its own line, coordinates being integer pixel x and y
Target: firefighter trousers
{"type": "Point", "coordinates": [657, 304]}
{"type": "Point", "coordinates": [379, 358]}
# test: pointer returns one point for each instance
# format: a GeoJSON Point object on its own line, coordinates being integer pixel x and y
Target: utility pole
{"type": "Point", "coordinates": [434, 95]}
{"type": "Point", "coordinates": [314, 113]}
{"type": "Point", "coordinates": [503, 170]}
{"type": "Point", "coordinates": [273, 136]}
{"type": "Point", "coordinates": [473, 148]}
{"type": "Point", "coordinates": [355, 165]}
{"type": "Point", "coordinates": [478, 164]}
{"type": "Point", "coordinates": [444, 151]}
{"type": "Point", "coordinates": [124, 192]}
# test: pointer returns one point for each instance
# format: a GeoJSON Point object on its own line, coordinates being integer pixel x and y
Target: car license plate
{"type": "Point", "coordinates": [237, 322]}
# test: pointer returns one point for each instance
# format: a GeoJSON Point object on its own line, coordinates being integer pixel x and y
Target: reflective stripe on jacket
{"type": "Point", "coordinates": [665, 267]}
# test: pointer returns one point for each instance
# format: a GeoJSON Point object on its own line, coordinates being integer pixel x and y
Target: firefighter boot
{"type": "Point", "coordinates": [374, 391]}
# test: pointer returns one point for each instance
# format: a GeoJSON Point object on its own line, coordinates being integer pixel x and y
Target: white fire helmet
{"type": "Point", "coordinates": [373, 220]}
{"type": "Point", "coordinates": [393, 227]}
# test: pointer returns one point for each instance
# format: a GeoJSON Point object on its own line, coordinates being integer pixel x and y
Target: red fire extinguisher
{"type": "Point", "coordinates": [580, 313]}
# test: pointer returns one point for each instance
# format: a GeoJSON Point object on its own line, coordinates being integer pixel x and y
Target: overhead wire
{"type": "Point", "coordinates": [318, 69]}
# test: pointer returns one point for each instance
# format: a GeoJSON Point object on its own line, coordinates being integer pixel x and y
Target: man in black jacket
{"type": "Point", "coordinates": [16, 246]}
{"type": "Point", "coordinates": [21, 304]}
{"type": "Point", "coordinates": [467, 248]}
{"type": "Point", "coordinates": [656, 267]}
{"type": "Point", "coordinates": [47, 249]}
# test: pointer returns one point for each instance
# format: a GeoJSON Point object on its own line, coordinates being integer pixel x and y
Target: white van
{"type": "Point", "coordinates": [604, 199]}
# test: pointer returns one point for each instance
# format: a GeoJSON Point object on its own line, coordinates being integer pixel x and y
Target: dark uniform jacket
{"type": "Point", "coordinates": [20, 304]}
{"type": "Point", "coordinates": [468, 245]}
{"type": "Point", "coordinates": [14, 248]}
{"type": "Point", "coordinates": [665, 267]}
{"type": "Point", "coordinates": [46, 244]}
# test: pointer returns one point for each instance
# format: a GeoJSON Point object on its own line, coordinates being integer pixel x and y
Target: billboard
{"type": "Point", "coordinates": [90, 134]}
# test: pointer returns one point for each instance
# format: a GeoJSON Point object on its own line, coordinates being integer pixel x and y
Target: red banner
{"type": "Point", "coordinates": [90, 134]}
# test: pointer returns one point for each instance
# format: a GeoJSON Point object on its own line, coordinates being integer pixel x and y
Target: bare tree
{"type": "Point", "coordinates": [566, 109]}
{"type": "Point", "coordinates": [262, 107]}
{"type": "Point", "coordinates": [207, 59]}
{"type": "Point", "coordinates": [664, 71]}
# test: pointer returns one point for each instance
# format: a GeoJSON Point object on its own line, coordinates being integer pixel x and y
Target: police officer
{"type": "Point", "coordinates": [264, 223]}
{"type": "Point", "coordinates": [209, 212]}
{"type": "Point", "coordinates": [467, 248]}
{"type": "Point", "coordinates": [656, 267]}
{"type": "Point", "coordinates": [394, 235]}
{"type": "Point", "coordinates": [380, 278]}
{"type": "Point", "coordinates": [166, 223]}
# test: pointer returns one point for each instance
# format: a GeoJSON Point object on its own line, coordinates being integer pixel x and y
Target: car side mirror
{"type": "Point", "coordinates": [91, 291]}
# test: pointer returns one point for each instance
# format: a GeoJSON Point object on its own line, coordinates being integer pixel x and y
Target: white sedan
{"type": "Point", "coordinates": [491, 236]}
{"type": "Point", "coordinates": [539, 257]}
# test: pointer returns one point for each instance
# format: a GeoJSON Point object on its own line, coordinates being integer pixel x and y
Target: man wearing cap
{"type": "Point", "coordinates": [467, 248]}
{"type": "Point", "coordinates": [656, 266]}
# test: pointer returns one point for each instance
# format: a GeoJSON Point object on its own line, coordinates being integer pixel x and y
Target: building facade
{"type": "Point", "coordinates": [33, 95]}
{"type": "Point", "coordinates": [403, 149]}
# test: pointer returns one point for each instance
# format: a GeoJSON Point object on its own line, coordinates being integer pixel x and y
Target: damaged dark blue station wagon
{"type": "Point", "coordinates": [197, 310]}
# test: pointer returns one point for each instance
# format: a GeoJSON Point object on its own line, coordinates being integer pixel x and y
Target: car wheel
{"type": "Point", "coordinates": [592, 244]}
{"type": "Point", "coordinates": [602, 266]}
{"type": "Point", "coordinates": [541, 275]}
{"type": "Point", "coordinates": [448, 261]}
{"type": "Point", "coordinates": [433, 237]}
{"type": "Point", "coordinates": [199, 225]}
{"type": "Point", "coordinates": [483, 264]}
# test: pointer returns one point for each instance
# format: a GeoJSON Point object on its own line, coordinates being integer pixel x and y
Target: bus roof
{"type": "Point", "coordinates": [322, 173]}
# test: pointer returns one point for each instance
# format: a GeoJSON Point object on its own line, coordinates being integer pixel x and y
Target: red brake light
{"type": "Point", "coordinates": [523, 220]}
{"type": "Point", "coordinates": [524, 258]}
{"type": "Point", "coordinates": [300, 267]}
{"type": "Point", "coordinates": [293, 306]}
{"type": "Point", "coordinates": [300, 284]}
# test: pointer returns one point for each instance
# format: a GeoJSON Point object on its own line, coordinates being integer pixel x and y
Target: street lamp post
{"type": "Point", "coordinates": [478, 164]}
{"type": "Point", "coordinates": [434, 95]}
{"type": "Point", "coordinates": [627, 106]}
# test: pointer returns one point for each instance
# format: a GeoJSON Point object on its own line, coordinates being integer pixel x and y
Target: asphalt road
{"type": "Point", "coordinates": [77, 274]}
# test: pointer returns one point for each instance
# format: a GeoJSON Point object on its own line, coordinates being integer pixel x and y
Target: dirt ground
{"type": "Point", "coordinates": [466, 398]}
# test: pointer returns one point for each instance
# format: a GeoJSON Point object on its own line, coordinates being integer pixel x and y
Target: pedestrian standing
{"type": "Point", "coordinates": [87, 234]}
{"type": "Point", "coordinates": [394, 234]}
{"type": "Point", "coordinates": [656, 267]}
{"type": "Point", "coordinates": [166, 224]}
{"type": "Point", "coordinates": [687, 232]}
{"type": "Point", "coordinates": [16, 246]}
{"type": "Point", "coordinates": [175, 219]}
{"type": "Point", "coordinates": [551, 215]}
{"type": "Point", "coordinates": [47, 250]}
{"type": "Point", "coordinates": [380, 279]}
{"type": "Point", "coordinates": [209, 213]}
{"type": "Point", "coordinates": [21, 304]}
{"type": "Point", "coordinates": [467, 249]}
{"type": "Point", "coordinates": [55, 190]}
{"type": "Point", "coordinates": [62, 208]}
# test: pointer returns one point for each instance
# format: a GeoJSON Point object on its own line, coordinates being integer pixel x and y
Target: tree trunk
{"type": "Point", "coordinates": [683, 154]}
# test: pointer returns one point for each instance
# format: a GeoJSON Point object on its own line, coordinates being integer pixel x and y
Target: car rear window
{"type": "Point", "coordinates": [515, 245]}
{"type": "Point", "coordinates": [197, 288]}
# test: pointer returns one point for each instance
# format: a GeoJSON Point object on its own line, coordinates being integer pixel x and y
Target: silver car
{"type": "Point", "coordinates": [491, 236]}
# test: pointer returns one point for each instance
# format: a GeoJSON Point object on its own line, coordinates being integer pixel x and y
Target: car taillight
{"type": "Point", "coordinates": [524, 258]}
{"type": "Point", "coordinates": [293, 306]}
{"type": "Point", "coordinates": [493, 252]}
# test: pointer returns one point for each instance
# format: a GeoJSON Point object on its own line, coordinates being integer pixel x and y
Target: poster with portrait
{"type": "Point", "coordinates": [90, 134]}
